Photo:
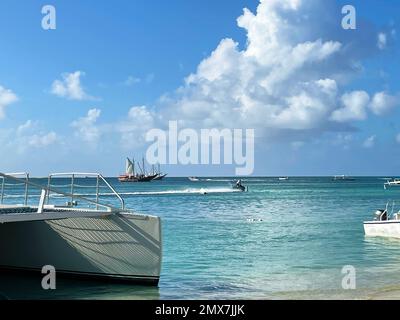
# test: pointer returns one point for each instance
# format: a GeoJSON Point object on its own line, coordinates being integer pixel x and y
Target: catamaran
{"type": "Point", "coordinates": [79, 236]}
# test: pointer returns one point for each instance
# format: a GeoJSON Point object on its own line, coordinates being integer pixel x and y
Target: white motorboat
{"type": "Point", "coordinates": [392, 183]}
{"type": "Point", "coordinates": [80, 237]}
{"type": "Point", "coordinates": [283, 178]}
{"type": "Point", "coordinates": [386, 223]}
{"type": "Point", "coordinates": [194, 179]}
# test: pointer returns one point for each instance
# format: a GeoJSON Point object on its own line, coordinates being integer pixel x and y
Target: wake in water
{"type": "Point", "coordinates": [184, 191]}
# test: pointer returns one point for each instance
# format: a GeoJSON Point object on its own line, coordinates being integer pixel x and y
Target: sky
{"type": "Point", "coordinates": [322, 100]}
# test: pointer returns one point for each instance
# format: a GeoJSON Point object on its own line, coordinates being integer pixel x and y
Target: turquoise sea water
{"type": "Point", "coordinates": [281, 239]}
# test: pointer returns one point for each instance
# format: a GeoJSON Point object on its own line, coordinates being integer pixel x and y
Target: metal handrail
{"type": "Point", "coordinates": [49, 190]}
{"type": "Point", "coordinates": [22, 182]}
{"type": "Point", "coordinates": [98, 177]}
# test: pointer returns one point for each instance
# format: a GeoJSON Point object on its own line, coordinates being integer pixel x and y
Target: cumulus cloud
{"type": "Point", "coordinates": [86, 127]}
{"type": "Point", "coordinates": [40, 141]}
{"type": "Point", "coordinates": [70, 87]}
{"type": "Point", "coordinates": [354, 107]}
{"type": "Point", "coordinates": [369, 142]}
{"type": "Point", "coordinates": [382, 103]}
{"type": "Point", "coordinates": [30, 135]}
{"type": "Point", "coordinates": [7, 97]}
{"type": "Point", "coordinates": [382, 40]}
{"type": "Point", "coordinates": [291, 75]}
{"type": "Point", "coordinates": [132, 130]}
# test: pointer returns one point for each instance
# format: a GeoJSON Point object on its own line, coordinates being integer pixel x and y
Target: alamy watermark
{"type": "Point", "coordinates": [193, 147]}
{"type": "Point", "coordinates": [49, 280]}
{"type": "Point", "coordinates": [349, 279]}
{"type": "Point", "coordinates": [49, 21]}
{"type": "Point", "coordinates": [349, 21]}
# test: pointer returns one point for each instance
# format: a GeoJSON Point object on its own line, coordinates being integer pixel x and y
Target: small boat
{"type": "Point", "coordinates": [78, 236]}
{"type": "Point", "coordinates": [392, 183]}
{"type": "Point", "coordinates": [193, 179]}
{"type": "Point", "coordinates": [343, 178]}
{"type": "Point", "coordinates": [386, 223]}
{"type": "Point", "coordinates": [238, 186]}
{"type": "Point", "coordinates": [283, 178]}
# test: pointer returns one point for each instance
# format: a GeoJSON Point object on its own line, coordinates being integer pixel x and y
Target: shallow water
{"type": "Point", "coordinates": [282, 239]}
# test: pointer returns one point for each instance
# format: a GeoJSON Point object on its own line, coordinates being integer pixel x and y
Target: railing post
{"type": "Point", "coordinates": [48, 188]}
{"type": "Point", "coordinates": [2, 190]}
{"type": "Point", "coordinates": [72, 188]}
{"type": "Point", "coordinates": [97, 192]}
{"type": "Point", "coordinates": [26, 189]}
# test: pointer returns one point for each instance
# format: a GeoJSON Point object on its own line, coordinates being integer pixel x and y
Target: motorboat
{"type": "Point", "coordinates": [194, 179]}
{"type": "Point", "coordinates": [392, 183]}
{"type": "Point", "coordinates": [79, 236]}
{"type": "Point", "coordinates": [386, 223]}
{"type": "Point", "coordinates": [283, 178]}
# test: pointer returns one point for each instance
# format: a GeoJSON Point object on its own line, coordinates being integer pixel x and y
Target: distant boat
{"type": "Point", "coordinates": [159, 174]}
{"type": "Point", "coordinates": [392, 183]}
{"type": "Point", "coordinates": [193, 179]}
{"type": "Point", "coordinates": [343, 178]}
{"type": "Point", "coordinates": [283, 178]}
{"type": "Point", "coordinates": [131, 176]}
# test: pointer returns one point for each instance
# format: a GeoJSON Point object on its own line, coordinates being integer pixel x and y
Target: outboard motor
{"type": "Point", "coordinates": [381, 215]}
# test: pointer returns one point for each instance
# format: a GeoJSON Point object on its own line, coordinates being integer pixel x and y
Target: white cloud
{"type": "Point", "coordinates": [382, 40]}
{"type": "Point", "coordinates": [70, 87]}
{"type": "Point", "coordinates": [354, 107]}
{"type": "Point", "coordinates": [370, 142]}
{"type": "Point", "coordinates": [382, 103]}
{"type": "Point", "coordinates": [86, 128]}
{"type": "Point", "coordinates": [40, 141]}
{"type": "Point", "coordinates": [282, 80]}
{"type": "Point", "coordinates": [133, 129]}
{"type": "Point", "coordinates": [7, 97]}
{"type": "Point", "coordinates": [131, 81]}
{"type": "Point", "coordinates": [26, 127]}
{"type": "Point", "coordinates": [343, 140]}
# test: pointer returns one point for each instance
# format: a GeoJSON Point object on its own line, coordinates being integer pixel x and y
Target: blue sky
{"type": "Point", "coordinates": [131, 59]}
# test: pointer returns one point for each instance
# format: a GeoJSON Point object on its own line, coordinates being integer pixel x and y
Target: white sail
{"type": "Point", "coordinates": [129, 167]}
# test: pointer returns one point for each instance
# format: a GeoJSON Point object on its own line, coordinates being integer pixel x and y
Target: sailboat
{"type": "Point", "coordinates": [144, 177]}
{"type": "Point", "coordinates": [159, 175]}
{"type": "Point", "coordinates": [132, 176]}
{"type": "Point", "coordinates": [129, 175]}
